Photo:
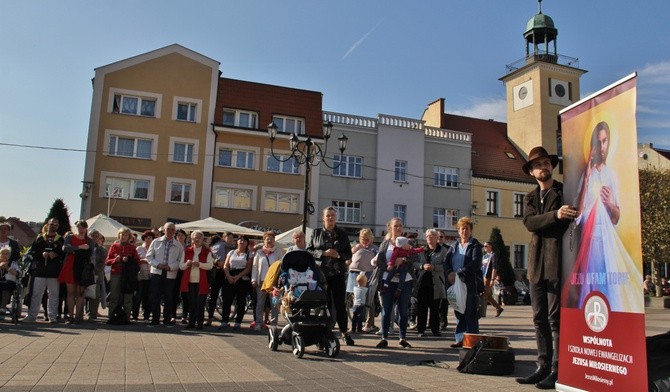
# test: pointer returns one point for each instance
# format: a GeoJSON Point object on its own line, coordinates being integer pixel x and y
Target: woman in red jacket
{"type": "Point", "coordinates": [195, 264]}
{"type": "Point", "coordinates": [123, 258]}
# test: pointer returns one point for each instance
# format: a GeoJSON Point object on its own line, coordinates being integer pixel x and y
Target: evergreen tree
{"type": "Point", "coordinates": [504, 269]}
{"type": "Point", "coordinates": [59, 211]}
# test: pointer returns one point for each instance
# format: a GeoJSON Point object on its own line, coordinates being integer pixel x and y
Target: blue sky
{"type": "Point", "coordinates": [366, 57]}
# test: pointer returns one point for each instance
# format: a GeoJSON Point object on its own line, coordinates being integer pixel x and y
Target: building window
{"type": "Point", "coordinates": [180, 193]}
{"type": "Point", "coordinates": [283, 165]}
{"type": "Point", "coordinates": [348, 211]}
{"type": "Point", "coordinates": [139, 106]}
{"type": "Point", "coordinates": [183, 152]}
{"type": "Point", "coordinates": [519, 256]}
{"type": "Point", "coordinates": [400, 211]}
{"type": "Point", "coordinates": [240, 118]}
{"type": "Point", "coordinates": [445, 177]}
{"type": "Point", "coordinates": [438, 217]}
{"type": "Point", "coordinates": [231, 197]}
{"type": "Point", "coordinates": [491, 202]}
{"type": "Point", "coordinates": [289, 124]}
{"type": "Point", "coordinates": [518, 205]}
{"type": "Point", "coordinates": [347, 166]}
{"type": "Point", "coordinates": [400, 171]}
{"type": "Point", "coordinates": [186, 111]}
{"type": "Point", "coordinates": [452, 219]}
{"type": "Point", "coordinates": [126, 188]}
{"type": "Point", "coordinates": [445, 218]}
{"type": "Point", "coordinates": [131, 147]}
{"type": "Point", "coordinates": [281, 202]}
{"type": "Point", "coordinates": [239, 159]}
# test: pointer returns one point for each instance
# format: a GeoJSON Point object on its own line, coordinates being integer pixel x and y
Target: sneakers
{"type": "Point", "coordinates": [28, 319]}
{"type": "Point", "coordinates": [348, 339]}
{"type": "Point", "coordinates": [257, 328]}
{"type": "Point", "coordinates": [457, 345]}
{"type": "Point", "coordinates": [224, 326]}
{"type": "Point", "coordinates": [499, 311]}
{"type": "Point", "coordinates": [382, 344]}
{"type": "Point", "coordinates": [404, 343]}
{"type": "Point", "coordinates": [252, 325]}
{"type": "Point", "coordinates": [237, 327]}
{"type": "Point", "coordinates": [412, 326]}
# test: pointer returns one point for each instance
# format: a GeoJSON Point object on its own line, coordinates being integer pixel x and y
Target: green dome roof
{"type": "Point", "coordinates": [540, 22]}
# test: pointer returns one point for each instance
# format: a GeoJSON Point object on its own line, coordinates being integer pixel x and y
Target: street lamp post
{"type": "Point", "coordinates": [306, 152]}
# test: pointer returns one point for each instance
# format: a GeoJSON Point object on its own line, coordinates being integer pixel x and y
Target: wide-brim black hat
{"type": "Point", "coordinates": [537, 153]}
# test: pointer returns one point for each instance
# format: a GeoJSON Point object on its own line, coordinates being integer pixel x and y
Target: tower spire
{"type": "Point", "coordinates": [539, 6]}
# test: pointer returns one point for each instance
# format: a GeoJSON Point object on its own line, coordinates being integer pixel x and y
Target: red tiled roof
{"type": "Point", "coordinates": [494, 155]}
{"type": "Point", "coordinates": [21, 232]}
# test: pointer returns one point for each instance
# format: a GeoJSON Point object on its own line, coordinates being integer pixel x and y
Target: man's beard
{"type": "Point", "coordinates": [544, 176]}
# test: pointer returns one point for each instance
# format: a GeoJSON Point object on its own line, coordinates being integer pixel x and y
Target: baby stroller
{"type": "Point", "coordinates": [21, 282]}
{"type": "Point", "coordinates": [304, 305]}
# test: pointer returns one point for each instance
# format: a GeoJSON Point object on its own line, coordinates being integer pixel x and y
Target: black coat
{"type": "Point", "coordinates": [541, 219]}
{"type": "Point", "coordinates": [472, 265]}
{"type": "Point", "coordinates": [323, 240]}
{"type": "Point", "coordinates": [40, 267]}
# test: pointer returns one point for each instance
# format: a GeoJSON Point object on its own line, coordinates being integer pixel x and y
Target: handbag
{"type": "Point", "coordinates": [90, 291]}
{"type": "Point", "coordinates": [87, 277]}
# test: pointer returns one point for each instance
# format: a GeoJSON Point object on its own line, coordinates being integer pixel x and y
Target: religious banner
{"type": "Point", "coordinates": [602, 340]}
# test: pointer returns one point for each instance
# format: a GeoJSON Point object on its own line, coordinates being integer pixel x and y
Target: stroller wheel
{"type": "Point", "coordinates": [332, 346]}
{"type": "Point", "coordinates": [273, 338]}
{"type": "Point", "coordinates": [298, 346]}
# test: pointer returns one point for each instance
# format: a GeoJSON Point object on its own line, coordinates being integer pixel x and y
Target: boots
{"type": "Point", "coordinates": [539, 375]}
{"type": "Point", "coordinates": [548, 382]}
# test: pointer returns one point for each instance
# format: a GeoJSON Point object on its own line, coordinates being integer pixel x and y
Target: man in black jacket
{"type": "Point", "coordinates": [547, 218]}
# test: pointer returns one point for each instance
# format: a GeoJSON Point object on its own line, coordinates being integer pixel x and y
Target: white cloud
{"type": "Point", "coordinates": [495, 109]}
{"type": "Point", "coordinates": [657, 73]}
{"type": "Point", "coordinates": [359, 42]}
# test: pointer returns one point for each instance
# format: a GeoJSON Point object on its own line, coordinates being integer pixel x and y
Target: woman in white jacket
{"type": "Point", "coordinates": [263, 259]}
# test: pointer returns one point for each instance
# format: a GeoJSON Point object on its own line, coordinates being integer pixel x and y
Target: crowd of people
{"type": "Point", "coordinates": [148, 278]}
{"type": "Point", "coordinates": [411, 286]}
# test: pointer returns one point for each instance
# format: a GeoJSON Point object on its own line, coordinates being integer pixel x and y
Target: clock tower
{"type": "Point", "coordinates": [539, 86]}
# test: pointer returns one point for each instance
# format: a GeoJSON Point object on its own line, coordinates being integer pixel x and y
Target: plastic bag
{"type": "Point", "coordinates": [456, 295]}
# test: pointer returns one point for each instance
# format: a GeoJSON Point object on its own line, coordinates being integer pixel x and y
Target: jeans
{"type": "Point", "coordinates": [468, 322]}
{"type": "Point", "coordinates": [196, 305]}
{"type": "Point", "coordinates": [424, 303]}
{"type": "Point", "coordinates": [161, 287]}
{"type": "Point", "coordinates": [337, 293]}
{"type": "Point", "coordinates": [545, 299]}
{"type": "Point", "coordinates": [142, 299]}
{"type": "Point", "coordinates": [388, 300]}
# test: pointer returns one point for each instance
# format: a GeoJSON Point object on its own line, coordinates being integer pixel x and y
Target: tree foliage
{"type": "Point", "coordinates": [505, 269]}
{"type": "Point", "coordinates": [655, 216]}
{"type": "Point", "coordinates": [59, 211]}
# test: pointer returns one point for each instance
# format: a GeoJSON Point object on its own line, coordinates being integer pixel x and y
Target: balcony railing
{"type": "Point", "coordinates": [543, 57]}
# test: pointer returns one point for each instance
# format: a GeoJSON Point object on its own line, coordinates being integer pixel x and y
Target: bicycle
{"type": "Point", "coordinates": [17, 295]}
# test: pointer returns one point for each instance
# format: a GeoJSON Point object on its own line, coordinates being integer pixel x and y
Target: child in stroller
{"type": "Point", "coordinates": [304, 305]}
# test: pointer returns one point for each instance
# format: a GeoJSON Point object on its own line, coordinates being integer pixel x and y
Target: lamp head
{"type": "Point", "coordinates": [272, 130]}
{"type": "Point", "coordinates": [293, 142]}
{"type": "Point", "coordinates": [327, 129]}
{"type": "Point", "coordinates": [343, 142]}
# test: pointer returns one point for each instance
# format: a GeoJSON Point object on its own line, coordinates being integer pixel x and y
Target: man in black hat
{"type": "Point", "coordinates": [547, 218]}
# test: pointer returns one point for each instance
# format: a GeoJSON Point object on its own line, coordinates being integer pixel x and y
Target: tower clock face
{"type": "Point", "coordinates": [559, 89]}
{"type": "Point", "coordinates": [523, 95]}
{"type": "Point", "coordinates": [559, 92]}
{"type": "Point", "coordinates": [523, 92]}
